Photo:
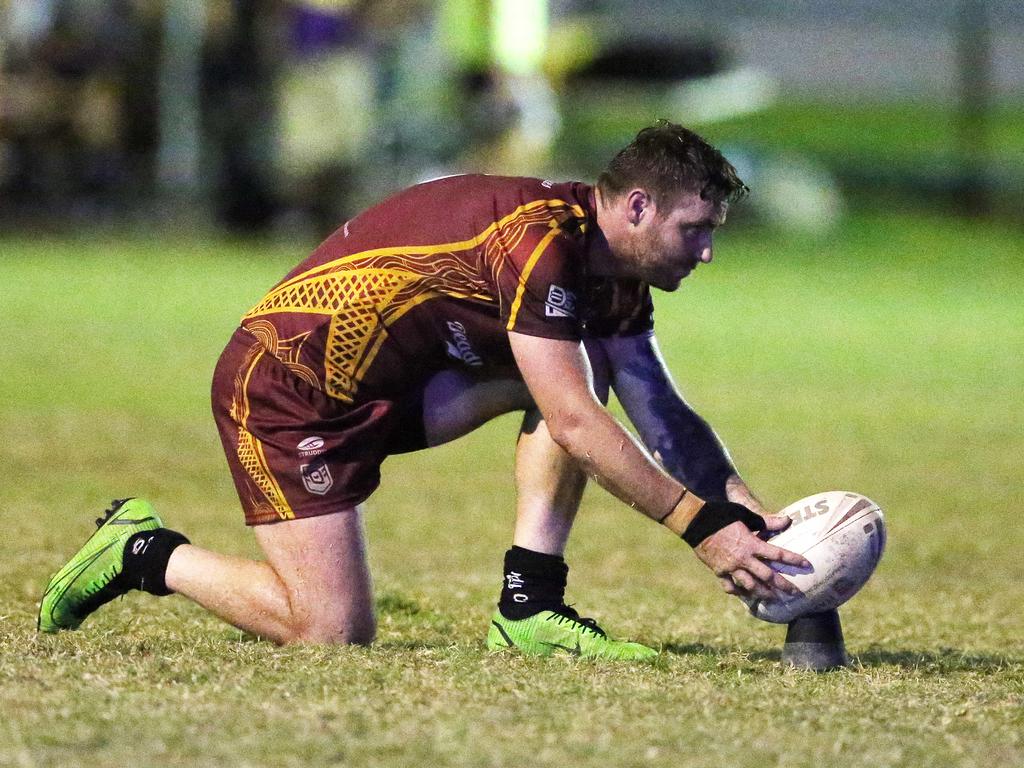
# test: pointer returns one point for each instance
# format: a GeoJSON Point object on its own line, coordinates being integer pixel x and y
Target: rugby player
{"type": "Point", "coordinates": [425, 316]}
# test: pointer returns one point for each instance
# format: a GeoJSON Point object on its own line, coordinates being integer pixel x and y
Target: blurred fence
{"type": "Point", "coordinates": [265, 114]}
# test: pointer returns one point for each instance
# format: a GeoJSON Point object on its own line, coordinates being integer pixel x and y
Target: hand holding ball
{"type": "Point", "coordinates": [842, 534]}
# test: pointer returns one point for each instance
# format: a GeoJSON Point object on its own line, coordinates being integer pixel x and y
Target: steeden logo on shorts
{"type": "Point", "coordinates": [311, 446]}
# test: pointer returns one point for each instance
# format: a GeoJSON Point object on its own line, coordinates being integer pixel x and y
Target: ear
{"type": "Point", "coordinates": [639, 206]}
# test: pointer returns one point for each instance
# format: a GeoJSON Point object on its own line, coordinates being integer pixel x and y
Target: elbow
{"type": "Point", "coordinates": [567, 429]}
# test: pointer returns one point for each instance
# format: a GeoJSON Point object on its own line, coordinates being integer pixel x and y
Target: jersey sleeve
{"type": "Point", "coordinates": [538, 285]}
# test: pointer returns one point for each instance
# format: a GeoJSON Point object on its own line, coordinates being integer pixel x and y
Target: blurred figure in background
{"type": "Point", "coordinates": [507, 108]}
{"type": "Point", "coordinates": [326, 101]}
{"type": "Point", "coordinates": [303, 110]}
{"type": "Point", "coordinates": [78, 106]}
{"type": "Point", "coordinates": [293, 107]}
{"type": "Point", "coordinates": [238, 65]}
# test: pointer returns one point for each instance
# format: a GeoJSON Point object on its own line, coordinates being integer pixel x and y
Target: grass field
{"type": "Point", "coordinates": [885, 359]}
{"type": "Point", "coordinates": [909, 136]}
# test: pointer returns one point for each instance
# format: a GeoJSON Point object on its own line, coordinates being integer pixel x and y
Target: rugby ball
{"type": "Point", "coordinates": [842, 534]}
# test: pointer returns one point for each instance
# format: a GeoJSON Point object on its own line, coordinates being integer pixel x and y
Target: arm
{"type": "Point", "coordinates": [558, 376]}
{"type": "Point", "coordinates": [678, 437]}
{"type": "Point", "coordinates": [690, 451]}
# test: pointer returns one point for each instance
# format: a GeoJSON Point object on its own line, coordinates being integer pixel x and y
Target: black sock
{"type": "Point", "coordinates": [534, 582]}
{"type": "Point", "coordinates": [145, 559]}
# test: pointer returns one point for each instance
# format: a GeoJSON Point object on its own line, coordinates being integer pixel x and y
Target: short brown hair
{"type": "Point", "coordinates": [667, 159]}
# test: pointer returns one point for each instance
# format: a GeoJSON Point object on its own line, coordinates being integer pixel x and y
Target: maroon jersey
{"type": "Point", "coordinates": [436, 277]}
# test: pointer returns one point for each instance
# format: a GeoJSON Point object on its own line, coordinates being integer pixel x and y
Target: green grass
{"type": "Point", "coordinates": [909, 136]}
{"type": "Point", "coordinates": [902, 133]}
{"type": "Point", "coordinates": [884, 359]}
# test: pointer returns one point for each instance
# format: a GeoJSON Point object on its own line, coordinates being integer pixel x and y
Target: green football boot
{"type": "Point", "coordinates": [561, 631]}
{"type": "Point", "coordinates": [91, 578]}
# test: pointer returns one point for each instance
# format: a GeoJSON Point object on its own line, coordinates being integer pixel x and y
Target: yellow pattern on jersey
{"type": "Point", "coordinates": [364, 293]}
{"type": "Point", "coordinates": [524, 277]}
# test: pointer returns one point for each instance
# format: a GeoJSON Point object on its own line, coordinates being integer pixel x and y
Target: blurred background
{"type": "Point", "coordinates": [285, 117]}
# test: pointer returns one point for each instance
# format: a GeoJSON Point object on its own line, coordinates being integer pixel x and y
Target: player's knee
{"type": "Point", "coordinates": [336, 628]}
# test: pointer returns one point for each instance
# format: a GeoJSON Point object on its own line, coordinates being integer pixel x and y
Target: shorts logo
{"type": "Point", "coordinates": [459, 347]}
{"type": "Point", "coordinates": [317, 477]}
{"type": "Point", "coordinates": [311, 446]}
{"type": "Point", "coordinates": [560, 303]}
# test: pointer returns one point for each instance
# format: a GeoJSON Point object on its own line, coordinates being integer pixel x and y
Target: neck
{"type": "Point", "coordinates": [600, 260]}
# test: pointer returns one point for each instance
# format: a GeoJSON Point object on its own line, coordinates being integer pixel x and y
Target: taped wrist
{"type": "Point", "coordinates": [716, 515]}
{"type": "Point", "coordinates": [682, 512]}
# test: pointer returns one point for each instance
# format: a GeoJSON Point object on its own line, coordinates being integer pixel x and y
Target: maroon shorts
{"type": "Point", "coordinates": [293, 451]}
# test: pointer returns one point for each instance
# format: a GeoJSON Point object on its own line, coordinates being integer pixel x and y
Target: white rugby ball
{"type": "Point", "coordinates": [842, 534]}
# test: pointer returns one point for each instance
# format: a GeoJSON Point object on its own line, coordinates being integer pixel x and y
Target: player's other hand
{"type": "Point", "coordinates": [742, 560]}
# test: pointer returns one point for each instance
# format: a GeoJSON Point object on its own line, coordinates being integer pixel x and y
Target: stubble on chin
{"type": "Point", "coordinates": [643, 266]}
{"type": "Point", "coordinates": [659, 276]}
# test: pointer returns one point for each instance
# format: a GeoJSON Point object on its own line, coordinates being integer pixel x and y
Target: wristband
{"type": "Point", "coordinates": [716, 515]}
{"type": "Point", "coordinates": [682, 513]}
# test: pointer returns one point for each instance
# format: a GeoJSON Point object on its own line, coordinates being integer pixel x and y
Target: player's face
{"type": "Point", "coordinates": [668, 245]}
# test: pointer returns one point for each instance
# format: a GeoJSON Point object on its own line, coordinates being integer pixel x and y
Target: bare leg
{"type": "Point", "coordinates": [454, 404]}
{"type": "Point", "coordinates": [549, 483]}
{"type": "Point", "coordinates": [314, 586]}
{"type": "Point", "coordinates": [315, 583]}
{"type": "Point", "coordinates": [549, 486]}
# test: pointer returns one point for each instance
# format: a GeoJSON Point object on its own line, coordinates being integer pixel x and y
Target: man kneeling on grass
{"type": "Point", "coordinates": [420, 319]}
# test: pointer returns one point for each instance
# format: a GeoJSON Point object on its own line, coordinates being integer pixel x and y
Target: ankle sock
{"type": "Point", "coordinates": [534, 582]}
{"type": "Point", "coordinates": [145, 559]}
